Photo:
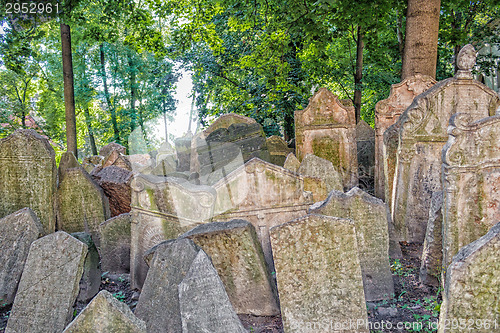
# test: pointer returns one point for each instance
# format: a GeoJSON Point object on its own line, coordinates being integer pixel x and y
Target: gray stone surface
{"type": "Point", "coordinates": [67, 161]}
{"type": "Point", "coordinates": [183, 151]}
{"type": "Point", "coordinates": [158, 304]}
{"type": "Point", "coordinates": [237, 255]}
{"type": "Point", "coordinates": [117, 159]}
{"type": "Point", "coordinates": [318, 273]}
{"type": "Point", "coordinates": [115, 238]}
{"type": "Point", "coordinates": [91, 278]}
{"type": "Point", "coordinates": [49, 285]}
{"type": "Point", "coordinates": [365, 143]}
{"type": "Point", "coordinates": [314, 166]}
{"type": "Point", "coordinates": [204, 304]}
{"type": "Point", "coordinates": [327, 128]}
{"type": "Point", "coordinates": [422, 135]}
{"type": "Point", "coordinates": [28, 176]}
{"type": "Point", "coordinates": [472, 287]}
{"type": "Point", "coordinates": [17, 232]}
{"type": "Point", "coordinates": [471, 174]}
{"type": "Point", "coordinates": [105, 314]}
{"type": "Point", "coordinates": [370, 216]}
{"type": "Point", "coordinates": [113, 146]}
{"type": "Point", "coordinates": [81, 203]}
{"type": "Point", "coordinates": [431, 263]}
{"type": "Point", "coordinates": [292, 163]}
{"type": "Point", "coordinates": [278, 149]}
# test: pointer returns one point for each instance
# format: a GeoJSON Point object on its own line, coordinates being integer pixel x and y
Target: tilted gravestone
{"type": "Point", "coordinates": [422, 135]}
{"type": "Point", "coordinates": [28, 176]}
{"type": "Point", "coordinates": [91, 277]}
{"type": "Point", "coordinates": [314, 166]}
{"type": "Point", "coordinates": [264, 194]}
{"type": "Point", "coordinates": [106, 314]}
{"type": "Point", "coordinates": [278, 149]}
{"type": "Point", "coordinates": [49, 285]}
{"type": "Point", "coordinates": [117, 159]}
{"type": "Point", "coordinates": [237, 255]}
{"type": "Point", "coordinates": [370, 216]}
{"type": "Point", "coordinates": [158, 304]}
{"type": "Point", "coordinates": [204, 304]}
{"type": "Point", "coordinates": [17, 231]}
{"type": "Point", "coordinates": [365, 143]}
{"type": "Point", "coordinates": [163, 208]}
{"type": "Point", "coordinates": [327, 128]}
{"type": "Point", "coordinates": [183, 151]}
{"type": "Point", "coordinates": [319, 275]}
{"type": "Point", "coordinates": [387, 111]}
{"type": "Point", "coordinates": [115, 183]}
{"type": "Point", "coordinates": [431, 262]}
{"type": "Point", "coordinates": [113, 146]}
{"type": "Point", "coordinates": [81, 203]}
{"type": "Point", "coordinates": [471, 181]}
{"type": "Point", "coordinates": [115, 238]}
{"type": "Point", "coordinates": [472, 287]}
{"type": "Point", "coordinates": [292, 163]}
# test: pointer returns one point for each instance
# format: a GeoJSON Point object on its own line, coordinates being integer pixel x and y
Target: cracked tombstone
{"type": "Point", "coordinates": [49, 285]}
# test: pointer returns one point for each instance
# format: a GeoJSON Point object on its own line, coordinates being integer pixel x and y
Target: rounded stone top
{"type": "Point", "coordinates": [466, 59]}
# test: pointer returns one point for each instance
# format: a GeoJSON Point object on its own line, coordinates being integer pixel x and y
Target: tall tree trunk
{"type": "Point", "coordinates": [358, 86]}
{"type": "Point", "coordinates": [111, 107]}
{"type": "Point", "coordinates": [69, 89]}
{"type": "Point", "coordinates": [422, 26]}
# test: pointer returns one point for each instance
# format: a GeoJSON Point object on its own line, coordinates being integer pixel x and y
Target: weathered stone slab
{"type": "Point", "coordinates": [431, 263]}
{"type": "Point", "coordinates": [278, 150]}
{"type": "Point", "coordinates": [422, 136]}
{"type": "Point", "coordinates": [68, 161]}
{"type": "Point", "coordinates": [472, 287]}
{"type": "Point", "coordinates": [91, 162]}
{"type": "Point", "coordinates": [318, 273]}
{"type": "Point", "coordinates": [49, 285]}
{"type": "Point", "coordinates": [183, 151]}
{"type": "Point", "coordinates": [163, 208]}
{"type": "Point", "coordinates": [204, 304]}
{"type": "Point", "coordinates": [327, 128]}
{"type": "Point", "coordinates": [81, 203]}
{"type": "Point", "coordinates": [17, 232]}
{"type": "Point", "coordinates": [115, 238]}
{"type": "Point", "coordinates": [314, 166]}
{"type": "Point", "coordinates": [158, 304]}
{"type": "Point", "coordinates": [390, 150]}
{"type": "Point", "coordinates": [105, 314]}
{"type": "Point", "coordinates": [365, 147]}
{"type": "Point", "coordinates": [91, 277]}
{"type": "Point", "coordinates": [115, 183]}
{"type": "Point", "coordinates": [292, 163]}
{"type": "Point", "coordinates": [117, 159]}
{"type": "Point", "coordinates": [387, 111]}
{"type": "Point", "coordinates": [28, 176]}
{"type": "Point", "coordinates": [237, 255]}
{"type": "Point", "coordinates": [113, 146]}
{"type": "Point", "coordinates": [264, 194]}
{"type": "Point", "coordinates": [166, 165]}
{"type": "Point", "coordinates": [370, 216]}
{"type": "Point", "coordinates": [471, 176]}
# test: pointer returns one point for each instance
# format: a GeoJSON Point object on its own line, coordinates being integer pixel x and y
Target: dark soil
{"type": "Point", "coordinates": [415, 308]}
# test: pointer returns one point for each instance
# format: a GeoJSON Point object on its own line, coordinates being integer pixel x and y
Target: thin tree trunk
{"type": "Point", "coordinates": [165, 119]}
{"type": "Point", "coordinates": [88, 121]}
{"type": "Point", "coordinates": [133, 92]}
{"type": "Point", "coordinates": [401, 41]}
{"type": "Point", "coordinates": [422, 27]}
{"type": "Point", "coordinates": [69, 89]}
{"type": "Point", "coordinates": [193, 102]}
{"type": "Point", "coordinates": [358, 86]}
{"type": "Point", "coordinates": [111, 107]}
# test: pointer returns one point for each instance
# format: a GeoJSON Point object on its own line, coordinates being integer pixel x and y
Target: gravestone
{"type": "Point", "coordinates": [319, 276]}
{"type": "Point", "coordinates": [28, 176]}
{"type": "Point", "coordinates": [422, 135]}
{"type": "Point", "coordinates": [158, 304]}
{"type": "Point", "coordinates": [472, 287]}
{"type": "Point", "coordinates": [370, 217]}
{"type": "Point", "coordinates": [237, 255]}
{"type": "Point", "coordinates": [471, 175]}
{"type": "Point", "coordinates": [365, 143]}
{"type": "Point", "coordinates": [390, 150]}
{"type": "Point", "coordinates": [49, 285]}
{"type": "Point", "coordinates": [81, 203]}
{"type": "Point", "coordinates": [314, 166]}
{"type": "Point", "coordinates": [183, 151]}
{"type": "Point", "coordinates": [117, 159]}
{"type": "Point", "coordinates": [106, 314]}
{"type": "Point", "coordinates": [17, 231]}
{"type": "Point", "coordinates": [327, 128]}
{"type": "Point", "coordinates": [278, 150]}
{"type": "Point", "coordinates": [163, 208]}
{"type": "Point", "coordinates": [166, 165]}
{"type": "Point", "coordinates": [292, 163]}
{"type": "Point", "coordinates": [204, 304]}
{"type": "Point", "coordinates": [68, 161]}
{"type": "Point", "coordinates": [115, 238]}
{"type": "Point", "coordinates": [115, 183]}
{"type": "Point", "coordinates": [91, 278]}
{"type": "Point", "coordinates": [89, 163]}
{"type": "Point", "coordinates": [264, 194]}
{"type": "Point", "coordinates": [431, 262]}
{"type": "Point", "coordinates": [113, 146]}
{"type": "Point", "coordinates": [387, 111]}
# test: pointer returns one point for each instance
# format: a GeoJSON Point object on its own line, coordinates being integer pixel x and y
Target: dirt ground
{"type": "Point", "coordinates": [414, 308]}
